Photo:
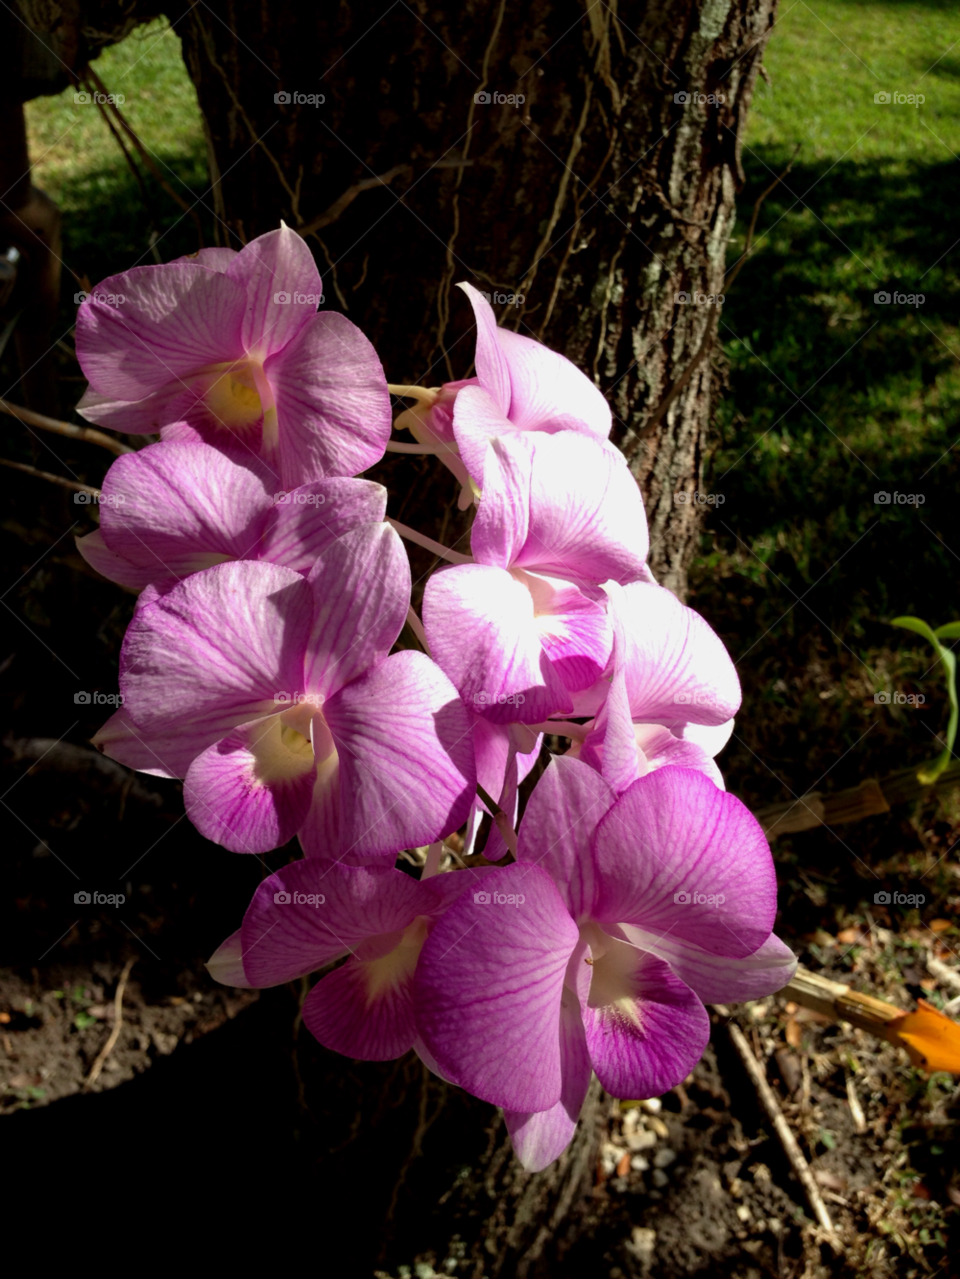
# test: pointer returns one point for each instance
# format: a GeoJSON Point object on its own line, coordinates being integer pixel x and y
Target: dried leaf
{"type": "Point", "coordinates": [930, 1037]}
{"type": "Point", "coordinates": [851, 935]}
{"type": "Point", "coordinates": [794, 1033]}
{"type": "Point", "coordinates": [623, 1167]}
{"type": "Point", "coordinates": [939, 925]}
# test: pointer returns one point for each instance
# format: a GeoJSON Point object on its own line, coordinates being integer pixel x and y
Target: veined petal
{"type": "Point", "coordinates": [225, 965]}
{"type": "Point", "coordinates": [676, 667]}
{"type": "Point", "coordinates": [560, 504]}
{"type": "Point", "coordinates": [197, 662]}
{"type": "Point", "coordinates": [558, 824]}
{"type": "Point", "coordinates": [161, 409]}
{"type": "Point", "coordinates": [174, 319]}
{"type": "Point", "coordinates": [680, 858]}
{"type": "Point", "coordinates": [361, 592]}
{"type": "Point", "coordinates": [489, 985]}
{"type": "Point", "coordinates": [574, 630]}
{"type": "Point", "coordinates": [311, 913]}
{"type": "Point", "coordinates": [481, 628]}
{"type": "Point", "coordinates": [645, 1028]}
{"type": "Point", "coordinates": [159, 754]}
{"type": "Point", "coordinates": [214, 259]}
{"type": "Point", "coordinates": [365, 1008]}
{"type": "Point", "coordinates": [271, 268]}
{"type": "Point", "coordinates": [493, 372]}
{"type": "Point", "coordinates": [404, 741]}
{"type": "Point", "coordinates": [302, 523]}
{"type": "Point", "coordinates": [477, 422]}
{"type": "Point", "coordinates": [539, 1137]}
{"type": "Point", "coordinates": [172, 509]}
{"type": "Point", "coordinates": [333, 406]}
{"type": "Point", "coordinates": [251, 790]}
{"type": "Point", "coordinates": [717, 979]}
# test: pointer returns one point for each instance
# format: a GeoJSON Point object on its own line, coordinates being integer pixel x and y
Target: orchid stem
{"type": "Point", "coordinates": [417, 627]}
{"type": "Point", "coordinates": [428, 544]}
{"type": "Point", "coordinates": [423, 450]}
{"type": "Point", "coordinates": [501, 819]}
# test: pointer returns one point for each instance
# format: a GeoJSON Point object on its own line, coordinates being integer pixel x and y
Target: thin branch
{"type": "Point", "coordinates": [783, 1130]}
{"type": "Point", "coordinates": [49, 476]}
{"type": "Point", "coordinates": [85, 433]}
{"type": "Point", "coordinates": [348, 197]}
{"type": "Point", "coordinates": [428, 544]}
{"type": "Point", "coordinates": [108, 1047]}
{"type": "Point", "coordinates": [146, 156]}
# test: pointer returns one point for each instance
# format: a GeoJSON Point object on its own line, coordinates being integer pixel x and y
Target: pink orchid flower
{"type": "Point", "coordinates": [174, 508]}
{"type": "Point", "coordinates": [525, 626]}
{"type": "Point", "coordinates": [230, 348]}
{"type": "Point", "coordinates": [310, 915]}
{"type": "Point", "coordinates": [598, 949]}
{"type": "Point", "coordinates": [272, 694]}
{"type": "Point", "coordinates": [521, 385]}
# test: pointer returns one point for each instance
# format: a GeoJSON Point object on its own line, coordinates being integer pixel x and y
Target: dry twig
{"type": "Point", "coordinates": [108, 1047]}
{"type": "Point", "coordinates": [783, 1130]}
{"type": "Point", "coordinates": [85, 433]}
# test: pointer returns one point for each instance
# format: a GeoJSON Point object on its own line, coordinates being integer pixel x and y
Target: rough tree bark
{"type": "Point", "coordinates": [598, 198]}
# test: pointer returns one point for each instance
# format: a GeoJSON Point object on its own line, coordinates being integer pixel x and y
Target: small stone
{"type": "Point", "coordinates": [659, 1127]}
{"type": "Point", "coordinates": [642, 1243]}
{"type": "Point", "coordinates": [664, 1158]}
{"type": "Point", "coordinates": [744, 1213]}
{"type": "Point", "coordinates": [660, 1178]}
{"type": "Point", "coordinates": [639, 1164]}
{"type": "Point", "coordinates": [642, 1140]}
{"type": "Point", "coordinates": [774, 1225]}
{"type": "Point", "coordinates": [653, 1105]}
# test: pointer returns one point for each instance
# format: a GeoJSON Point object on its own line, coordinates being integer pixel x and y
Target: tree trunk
{"type": "Point", "coordinates": [579, 166]}
{"type": "Point", "coordinates": [597, 199]}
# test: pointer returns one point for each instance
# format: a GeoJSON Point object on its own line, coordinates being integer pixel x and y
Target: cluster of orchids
{"type": "Point", "coordinates": [261, 666]}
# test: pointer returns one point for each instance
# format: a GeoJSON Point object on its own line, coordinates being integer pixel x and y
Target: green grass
{"type": "Point", "coordinates": [833, 398]}
{"type": "Point", "coordinates": [77, 161]}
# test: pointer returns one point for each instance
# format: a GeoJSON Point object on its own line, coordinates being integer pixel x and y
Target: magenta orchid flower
{"type": "Point", "coordinates": [521, 385]}
{"type": "Point", "coordinates": [312, 914]}
{"type": "Point", "coordinates": [525, 625]}
{"type": "Point", "coordinates": [273, 696]}
{"type": "Point", "coordinates": [230, 348]}
{"type": "Point", "coordinates": [635, 912]}
{"type": "Point", "coordinates": [172, 509]}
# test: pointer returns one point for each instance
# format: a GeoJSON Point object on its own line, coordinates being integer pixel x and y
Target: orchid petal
{"type": "Point", "coordinates": [488, 989]}
{"type": "Point", "coordinates": [333, 406]}
{"type": "Point", "coordinates": [680, 858]}
{"type": "Point", "coordinates": [174, 320]}
{"type": "Point", "coordinates": [277, 263]}
{"type": "Point", "coordinates": [251, 790]}
{"type": "Point", "coordinates": [717, 979]}
{"type": "Point", "coordinates": [302, 523]}
{"type": "Point", "coordinates": [481, 628]}
{"type": "Point", "coordinates": [407, 771]}
{"type": "Point", "coordinates": [361, 592]}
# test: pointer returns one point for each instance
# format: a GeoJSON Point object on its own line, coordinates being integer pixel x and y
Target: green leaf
{"type": "Point", "coordinates": [918, 625]}
{"type": "Point", "coordinates": [83, 1020]}
{"type": "Point", "coordinates": [929, 773]}
{"type": "Point", "coordinates": [950, 631]}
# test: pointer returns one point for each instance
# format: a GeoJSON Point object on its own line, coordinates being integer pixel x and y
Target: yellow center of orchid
{"type": "Point", "coordinates": [232, 395]}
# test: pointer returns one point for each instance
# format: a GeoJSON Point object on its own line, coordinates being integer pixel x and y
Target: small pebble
{"type": "Point", "coordinates": [660, 1178]}
{"type": "Point", "coordinates": [664, 1158]}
